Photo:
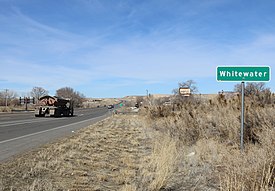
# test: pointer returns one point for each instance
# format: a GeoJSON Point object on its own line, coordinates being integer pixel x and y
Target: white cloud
{"type": "Point", "coordinates": [43, 75]}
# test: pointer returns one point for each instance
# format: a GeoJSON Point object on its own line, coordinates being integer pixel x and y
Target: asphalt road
{"type": "Point", "coordinates": [20, 132]}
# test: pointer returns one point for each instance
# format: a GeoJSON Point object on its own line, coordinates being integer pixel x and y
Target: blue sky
{"type": "Point", "coordinates": [114, 48]}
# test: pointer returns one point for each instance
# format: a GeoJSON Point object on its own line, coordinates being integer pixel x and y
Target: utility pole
{"type": "Point", "coordinates": [6, 99]}
{"type": "Point", "coordinates": [148, 99]}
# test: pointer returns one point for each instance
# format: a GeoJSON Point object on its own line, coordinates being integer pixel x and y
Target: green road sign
{"type": "Point", "coordinates": [243, 73]}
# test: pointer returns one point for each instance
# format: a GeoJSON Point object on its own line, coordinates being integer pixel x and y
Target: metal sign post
{"type": "Point", "coordinates": [243, 74]}
{"type": "Point", "coordinates": [242, 117]}
{"type": "Point", "coordinates": [26, 101]}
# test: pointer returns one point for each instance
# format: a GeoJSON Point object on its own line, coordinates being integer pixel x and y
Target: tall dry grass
{"type": "Point", "coordinates": [158, 167]}
{"type": "Point", "coordinates": [206, 136]}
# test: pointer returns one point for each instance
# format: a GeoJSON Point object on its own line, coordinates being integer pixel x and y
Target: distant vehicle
{"type": "Point", "coordinates": [110, 106]}
{"type": "Point", "coordinates": [54, 107]}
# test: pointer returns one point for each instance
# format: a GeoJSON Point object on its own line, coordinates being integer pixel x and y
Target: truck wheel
{"type": "Point", "coordinates": [57, 113]}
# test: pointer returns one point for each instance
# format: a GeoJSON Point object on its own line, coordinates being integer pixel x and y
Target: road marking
{"type": "Point", "coordinates": [40, 132]}
{"type": "Point", "coordinates": [16, 113]}
{"type": "Point", "coordinates": [21, 122]}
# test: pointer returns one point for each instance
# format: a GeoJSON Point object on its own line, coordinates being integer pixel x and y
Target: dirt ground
{"type": "Point", "coordinates": [105, 156]}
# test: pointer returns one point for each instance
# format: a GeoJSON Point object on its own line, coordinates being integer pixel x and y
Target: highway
{"type": "Point", "coordinates": [20, 132]}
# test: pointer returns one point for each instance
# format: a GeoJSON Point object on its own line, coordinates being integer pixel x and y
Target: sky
{"type": "Point", "coordinates": [116, 48]}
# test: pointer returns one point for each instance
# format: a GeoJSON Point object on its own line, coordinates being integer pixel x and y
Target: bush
{"type": "Point", "coordinates": [212, 131]}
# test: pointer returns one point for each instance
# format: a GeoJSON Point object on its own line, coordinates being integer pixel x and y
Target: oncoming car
{"type": "Point", "coordinates": [110, 106]}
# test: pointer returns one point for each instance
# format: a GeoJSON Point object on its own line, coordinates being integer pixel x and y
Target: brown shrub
{"type": "Point", "coordinates": [212, 131]}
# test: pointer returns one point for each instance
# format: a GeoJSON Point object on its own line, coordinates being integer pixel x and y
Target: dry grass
{"type": "Point", "coordinates": [208, 135]}
{"type": "Point", "coordinates": [5, 109]}
{"type": "Point", "coordinates": [191, 146]}
{"type": "Point", "coordinates": [105, 156]}
{"type": "Point", "coordinates": [158, 167]}
{"type": "Point", "coordinates": [9, 109]}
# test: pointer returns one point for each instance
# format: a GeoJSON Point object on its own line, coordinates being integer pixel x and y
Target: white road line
{"type": "Point", "coordinates": [13, 114]}
{"type": "Point", "coordinates": [40, 132]}
{"type": "Point", "coordinates": [23, 120]}
{"type": "Point", "coordinates": [20, 122]}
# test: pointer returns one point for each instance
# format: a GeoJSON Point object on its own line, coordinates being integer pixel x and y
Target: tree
{"type": "Point", "coordinates": [7, 96]}
{"type": "Point", "coordinates": [188, 84]}
{"type": "Point", "coordinates": [256, 91]}
{"type": "Point", "coordinates": [252, 88]}
{"type": "Point", "coordinates": [38, 92]}
{"type": "Point", "coordinates": [65, 92]}
{"type": "Point", "coordinates": [69, 93]}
